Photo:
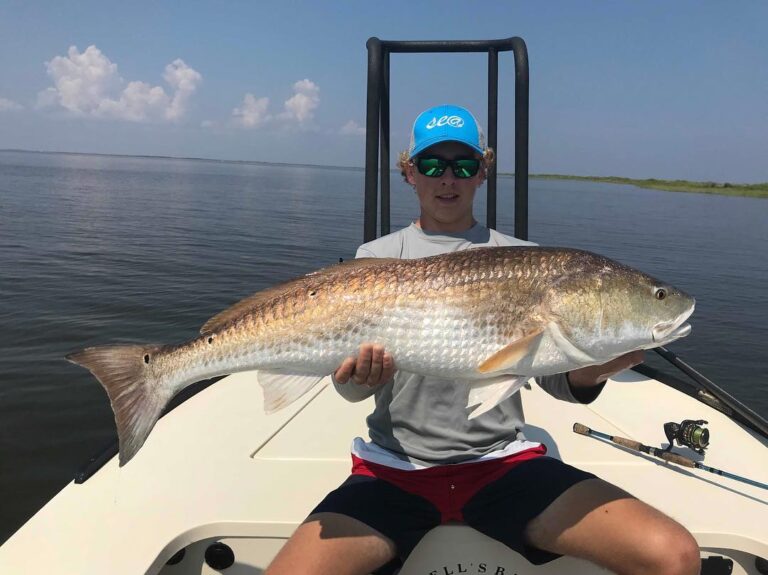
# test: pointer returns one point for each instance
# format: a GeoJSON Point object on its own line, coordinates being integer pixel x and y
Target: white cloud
{"type": "Point", "coordinates": [253, 112]}
{"type": "Point", "coordinates": [352, 128]}
{"type": "Point", "coordinates": [184, 80]}
{"type": "Point", "coordinates": [297, 110]}
{"type": "Point", "coordinates": [88, 84]}
{"type": "Point", "coordinates": [301, 106]}
{"type": "Point", "coordinates": [7, 105]}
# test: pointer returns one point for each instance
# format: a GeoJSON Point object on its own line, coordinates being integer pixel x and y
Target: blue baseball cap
{"type": "Point", "coordinates": [446, 123]}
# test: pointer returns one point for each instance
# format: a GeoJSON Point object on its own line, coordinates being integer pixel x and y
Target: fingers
{"type": "Point", "coordinates": [388, 368]}
{"type": "Point", "coordinates": [372, 366]}
{"type": "Point", "coordinates": [345, 370]}
{"type": "Point", "coordinates": [596, 374]}
{"type": "Point", "coordinates": [377, 359]}
{"type": "Point", "coordinates": [363, 364]}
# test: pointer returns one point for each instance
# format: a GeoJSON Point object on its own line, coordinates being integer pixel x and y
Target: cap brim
{"type": "Point", "coordinates": [434, 141]}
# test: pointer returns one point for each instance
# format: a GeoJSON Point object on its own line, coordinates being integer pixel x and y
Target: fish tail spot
{"type": "Point", "coordinates": [136, 397]}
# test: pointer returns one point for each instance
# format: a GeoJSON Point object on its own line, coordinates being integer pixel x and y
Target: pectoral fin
{"type": "Point", "coordinates": [491, 392]}
{"type": "Point", "coordinates": [508, 357]}
{"type": "Point", "coordinates": [281, 388]}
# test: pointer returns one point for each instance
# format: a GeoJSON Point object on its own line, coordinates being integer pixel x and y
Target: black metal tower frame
{"type": "Point", "coordinates": [377, 123]}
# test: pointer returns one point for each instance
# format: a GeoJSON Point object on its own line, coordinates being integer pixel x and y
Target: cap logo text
{"type": "Point", "coordinates": [452, 121]}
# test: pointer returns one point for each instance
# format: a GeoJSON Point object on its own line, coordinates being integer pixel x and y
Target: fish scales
{"type": "Point", "coordinates": [289, 334]}
{"type": "Point", "coordinates": [287, 329]}
{"type": "Point", "coordinates": [471, 315]}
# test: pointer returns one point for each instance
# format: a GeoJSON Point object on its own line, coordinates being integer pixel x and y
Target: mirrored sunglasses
{"type": "Point", "coordinates": [433, 167]}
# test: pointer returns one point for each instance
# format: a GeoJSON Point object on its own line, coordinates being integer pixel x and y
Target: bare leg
{"type": "Point", "coordinates": [597, 521]}
{"type": "Point", "coordinates": [333, 544]}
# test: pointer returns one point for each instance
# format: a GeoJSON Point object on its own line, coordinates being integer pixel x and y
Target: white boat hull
{"type": "Point", "coordinates": [218, 470]}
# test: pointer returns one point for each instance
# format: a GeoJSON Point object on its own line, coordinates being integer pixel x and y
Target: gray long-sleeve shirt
{"type": "Point", "coordinates": [424, 419]}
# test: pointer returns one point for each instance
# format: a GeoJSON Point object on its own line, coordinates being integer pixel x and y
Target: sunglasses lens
{"type": "Point", "coordinates": [435, 167]}
{"type": "Point", "coordinates": [431, 167]}
{"type": "Point", "coordinates": [465, 168]}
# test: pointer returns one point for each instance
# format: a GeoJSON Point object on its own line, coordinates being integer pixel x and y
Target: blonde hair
{"type": "Point", "coordinates": [403, 161]}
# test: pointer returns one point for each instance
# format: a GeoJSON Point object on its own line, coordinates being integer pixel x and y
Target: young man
{"type": "Point", "coordinates": [422, 444]}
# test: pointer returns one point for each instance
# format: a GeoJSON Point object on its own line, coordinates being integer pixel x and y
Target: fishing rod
{"type": "Point", "coordinates": [749, 416]}
{"type": "Point", "coordinates": [662, 454]}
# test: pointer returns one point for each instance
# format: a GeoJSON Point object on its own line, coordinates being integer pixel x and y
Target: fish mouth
{"type": "Point", "coordinates": [667, 331]}
{"type": "Point", "coordinates": [666, 335]}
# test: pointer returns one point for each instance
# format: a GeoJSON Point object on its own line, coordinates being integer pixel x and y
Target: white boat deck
{"type": "Point", "coordinates": [218, 468]}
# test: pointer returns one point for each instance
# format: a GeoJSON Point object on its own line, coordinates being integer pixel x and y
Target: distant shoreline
{"type": "Point", "coordinates": [195, 159]}
{"type": "Point", "coordinates": [758, 190]}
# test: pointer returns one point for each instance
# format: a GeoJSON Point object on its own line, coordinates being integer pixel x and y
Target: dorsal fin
{"type": "Point", "coordinates": [246, 305]}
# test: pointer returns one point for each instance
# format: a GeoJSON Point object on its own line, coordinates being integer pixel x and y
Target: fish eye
{"type": "Point", "coordinates": [660, 293]}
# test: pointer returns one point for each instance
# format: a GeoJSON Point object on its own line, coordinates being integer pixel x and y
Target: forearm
{"type": "Point", "coordinates": [587, 382]}
{"type": "Point", "coordinates": [561, 387]}
{"type": "Point", "coordinates": [585, 392]}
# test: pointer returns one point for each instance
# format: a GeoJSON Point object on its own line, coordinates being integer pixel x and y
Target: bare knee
{"type": "Point", "coordinates": [673, 551]}
{"type": "Point", "coordinates": [687, 556]}
{"type": "Point", "coordinates": [599, 522]}
{"type": "Point", "coordinates": [329, 543]}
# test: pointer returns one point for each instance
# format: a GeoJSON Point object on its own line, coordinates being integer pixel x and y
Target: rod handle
{"type": "Point", "coordinates": [628, 443]}
{"type": "Point", "coordinates": [665, 455]}
{"type": "Point", "coordinates": [581, 429]}
{"type": "Point", "coordinates": [584, 430]}
{"type": "Point", "coordinates": [675, 458]}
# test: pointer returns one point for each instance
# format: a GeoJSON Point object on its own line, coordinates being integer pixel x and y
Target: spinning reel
{"type": "Point", "coordinates": [689, 433]}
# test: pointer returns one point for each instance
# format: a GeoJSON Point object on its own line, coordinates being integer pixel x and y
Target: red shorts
{"type": "Point", "coordinates": [447, 487]}
{"type": "Point", "coordinates": [498, 497]}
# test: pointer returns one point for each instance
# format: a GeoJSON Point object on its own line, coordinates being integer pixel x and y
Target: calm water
{"type": "Point", "coordinates": [100, 249]}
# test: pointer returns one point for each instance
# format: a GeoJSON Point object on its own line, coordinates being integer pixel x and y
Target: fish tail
{"type": "Point", "coordinates": [125, 372]}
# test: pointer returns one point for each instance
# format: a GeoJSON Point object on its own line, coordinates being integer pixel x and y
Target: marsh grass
{"type": "Point", "coordinates": [759, 190]}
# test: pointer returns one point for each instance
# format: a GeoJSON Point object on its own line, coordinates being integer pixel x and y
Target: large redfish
{"type": "Point", "coordinates": [488, 317]}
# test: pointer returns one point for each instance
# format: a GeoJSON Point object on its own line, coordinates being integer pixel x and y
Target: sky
{"type": "Point", "coordinates": [642, 89]}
